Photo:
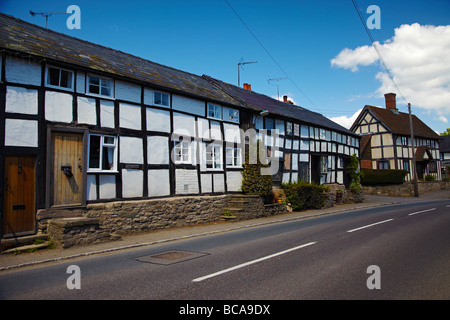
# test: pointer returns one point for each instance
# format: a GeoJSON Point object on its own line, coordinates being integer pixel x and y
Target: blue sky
{"type": "Point", "coordinates": [303, 37]}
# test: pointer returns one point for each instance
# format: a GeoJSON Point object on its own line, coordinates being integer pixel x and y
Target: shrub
{"type": "Point", "coordinates": [372, 177]}
{"type": "Point", "coordinates": [430, 177]}
{"type": "Point", "coordinates": [253, 182]}
{"type": "Point", "coordinates": [303, 196]}
{"type": "Point", "coordinates": [355, 174]}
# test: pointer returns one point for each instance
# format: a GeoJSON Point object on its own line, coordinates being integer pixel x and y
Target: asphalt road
{"type": "Point", "coordinates": [328, 257]}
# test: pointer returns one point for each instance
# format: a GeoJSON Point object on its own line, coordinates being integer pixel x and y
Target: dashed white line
{"type": "Point", "coordinates": [251, 262]}
{"type": "Point", "coordinates": [370, 225]}
{"type": "Point", "coordinates": [411, 214]}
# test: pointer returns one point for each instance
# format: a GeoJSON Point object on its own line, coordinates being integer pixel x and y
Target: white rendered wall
{"type": "Point", "coordinates": [21, 100]}
{"type": "Point", "coordinates": [186, 181]}
{"type": "Point", "coordinates": [158, 183]}
{"type": "Point", "coordinates": [131, 150]}
{"type": "Point", "coordinates": [189, 105]}
{"type": "Point", "coordinates": [107, 113]}
{"type": "Point", "coordinates": [234, 180]}
{"type": "Point", "coordinates": [206, 181]}
{"type": "Point", "coordinates": [132, 183]}
{"type": "Point", "coordinates": [58, 106]}
{"type": "Point", "coordinates": [130, 116]}
{"type": "Point", "coordinates": [21, 133]}
{"type": "Point", "coordinates": [22, 70]}
{"type": "Point", "coordinates": [183, 124]}
{"type": "Point", "coordinates": [157, 150]}
{"type": "Point", "coordinates": [127, 91]}
{"type": "Point", "coordinates": [107, 186]}
{"type": "Point", "coordinates": [158, 120]}
{"type": "Point", "coordinates": [87, 111]}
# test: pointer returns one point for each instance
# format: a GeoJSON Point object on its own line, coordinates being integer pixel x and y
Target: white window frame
{"type": "Point", "coordinates": [230, 114]}
{"type": "Point", "coordinates": [214, 160]}
{"type": "Point", "coordinates": [102, 80]}
{"type": "Point", "coordinates": [49, 85]}
{"type": "Point", "coordinates": [185, 149]}
{"type": "Point", "coordinates": [162, 94]}
{"type": "Point", "coordinates": [215, 109]}
{"type": "Point", "coordinates": [233, 157]}
{"type": "Point", "coordinates": [103, 145]}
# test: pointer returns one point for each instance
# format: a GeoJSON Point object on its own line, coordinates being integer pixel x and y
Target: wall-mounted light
{"type": "Point", "coordinates": [264, 113]}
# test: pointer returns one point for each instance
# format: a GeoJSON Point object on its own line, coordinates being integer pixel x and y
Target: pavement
{"type": "Point", "coordinates": [27, 259]}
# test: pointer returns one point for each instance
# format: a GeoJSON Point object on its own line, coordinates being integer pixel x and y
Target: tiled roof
{"type": "Point", "coordinates": [398, 123]}
{"type": "Point", "coordinates": [260, 102]}
{"type": "Point", "coordinates": [20, 36]}
{"type": "Point", "coordinates": [17, 36]}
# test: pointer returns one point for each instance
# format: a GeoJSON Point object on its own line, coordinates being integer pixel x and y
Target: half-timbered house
{"type": "Point", "coordinates": [81, 123]}
{"type": "Point", "coordinates": [386, 141]}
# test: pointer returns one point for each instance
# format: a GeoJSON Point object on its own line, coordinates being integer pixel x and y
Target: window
{"type": "Point", "coordinates": [270, 124]}
{"type": "Point", "coordinates": [404, 141]}
{"type": "Point", "coordinates": [182, 152]}
{"type": "Point", "coordinates": [102, 153]}
{"type": "Point", "coordinates": [384, 164]}
{"type": "Point", "coordinates": [233, 157]}
{"type": "Point", "coordinates": [59, 78]}
{"type": "Point", "coordinates": [214, 157]}
{"type": "Point", "coordinates": [231, 115]}
{"type": "Point", "coordinates": [288, 128]}
{"type": "Point", "coordinates": [406, 165]}
{"type": "Point", "coordinates": [161, 99]}
{"type": "Point", "coordinates": [100, 86]}
{"type": "Point", "coordinates": [214, 111]}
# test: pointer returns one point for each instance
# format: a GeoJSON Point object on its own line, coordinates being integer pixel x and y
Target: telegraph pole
{"type": "Point", "coordinates": [416, 187]}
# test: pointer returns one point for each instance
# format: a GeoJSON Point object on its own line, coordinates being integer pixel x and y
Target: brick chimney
{"type": "Point", "coordinates": [247, 86]}
{"type": "Point", "coordinates": [390, 102]}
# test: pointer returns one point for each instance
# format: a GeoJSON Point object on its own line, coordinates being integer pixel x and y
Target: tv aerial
{"type": "Point", "coordinates": [46, 15]}
{"type": "Point", "coordinates": [278, 88]}
{"type": "Point", "coordinates": [240, 64]}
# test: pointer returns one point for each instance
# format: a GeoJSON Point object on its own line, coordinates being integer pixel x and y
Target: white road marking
{"type": "Point", "coordinates": [370, 225]}
{"type": "Point", "coordinates": [411, 214]}
{"type": "Point", "coordinates": [251, 262]}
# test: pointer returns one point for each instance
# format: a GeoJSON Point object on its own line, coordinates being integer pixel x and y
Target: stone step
{"type": "Point", "coordinates": [30, 247]}
{"type": "Point", "coordinates": [15, 242]}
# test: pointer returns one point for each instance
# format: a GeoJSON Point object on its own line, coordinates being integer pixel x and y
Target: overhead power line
{"type": "Point", "coordinates": [376, 49]}
{"type": "Point", "coordinates": [268, 53]}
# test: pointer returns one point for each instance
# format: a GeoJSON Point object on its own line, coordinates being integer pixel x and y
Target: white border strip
{"type": "Point", "coordinates": [411, 214]}
{"type": "Point", "coordinates": [370, 225]}
{"type": "Point", "coordinates": [251, 262]}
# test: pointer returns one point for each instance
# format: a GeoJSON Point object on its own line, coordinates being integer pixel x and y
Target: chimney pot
{"type": "Point", "coordinates": [285, 98]}
{"type": "Point", "coordinates": [247, 86]}
{"type": "Point", "coordinates": [390, 101]}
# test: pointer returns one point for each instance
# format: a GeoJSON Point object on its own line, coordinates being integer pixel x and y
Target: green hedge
{"type": "Point", "coordinates": [304, 196]}
{"type": "Point", "coordinates": [371, 177]}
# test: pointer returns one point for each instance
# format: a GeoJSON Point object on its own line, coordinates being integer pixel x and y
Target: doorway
{"type": "Point", "coordinates": [67, 166]}
{"type": "Point", "coordinates": [18, 217]}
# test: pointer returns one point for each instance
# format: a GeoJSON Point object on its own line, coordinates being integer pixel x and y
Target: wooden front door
{"type": "Point", "coordinates": [19, 197]}
{"type": "Point", "coordinates": [66, 183]}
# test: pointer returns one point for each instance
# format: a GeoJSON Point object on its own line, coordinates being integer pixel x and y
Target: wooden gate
{"type": "Point", "coordinates": [66, 182]}
{"type": "Point", "coordinates": [19, 197]}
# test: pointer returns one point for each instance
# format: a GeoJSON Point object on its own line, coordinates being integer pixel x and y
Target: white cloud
{"type": "Point", "coordinates": [418, 58]}
{"type": "Point", "coordinates": [345, 121]}
{"type": "Point", "coordinates": [289, 97]}
{"type": "Point", "coordinates": [443, 119]}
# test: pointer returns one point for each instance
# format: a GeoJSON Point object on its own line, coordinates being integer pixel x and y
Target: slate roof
{"type": "Point", "coordinates": [18, 36]}
{"type": "Point", "coordinates": [260, 102]}
{"type": "Point", "coordinates": [398, 123]}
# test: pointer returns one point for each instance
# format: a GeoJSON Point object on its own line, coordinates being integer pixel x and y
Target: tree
{"type": "Point", "coordinates": [253, 182]}
{"type": "Point", "coordinates": [355, 174]}
{"type": "Point", "coordinates": [446, 132]}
